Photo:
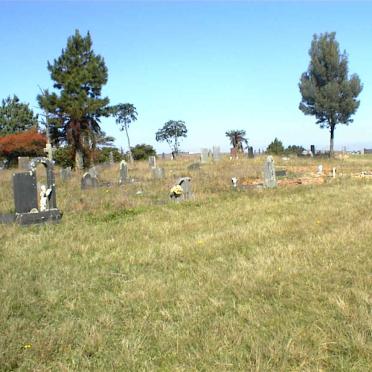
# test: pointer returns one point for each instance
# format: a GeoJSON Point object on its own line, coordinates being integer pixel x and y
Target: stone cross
{"type": "Point", "coordinates": [49, 150]}
{"type": "Point", "coordinates": [269, 173]}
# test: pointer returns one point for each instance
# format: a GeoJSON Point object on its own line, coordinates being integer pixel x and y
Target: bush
{"type": "Point", "coordinates": [141, 152]}
{"type": "Point", "coordinates": [28, 143]}
{"type": "Point", "coordinates": [275, 148]}
{"type": "Point", "coordinates": [294, 149]}
{"type": "Point", "coordinates": [103, 155]}
{"type": "Point", "coordinates": [64, 156]}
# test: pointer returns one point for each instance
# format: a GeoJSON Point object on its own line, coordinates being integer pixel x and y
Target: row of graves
{"type": "Point", "coordinates": [33, 206]}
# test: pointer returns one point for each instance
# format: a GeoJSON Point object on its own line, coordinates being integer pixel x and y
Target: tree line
{"type": "Point", "coordinates": [74, 108]}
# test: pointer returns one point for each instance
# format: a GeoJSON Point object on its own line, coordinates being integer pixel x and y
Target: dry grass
{"type": "Point", "coordinates": [266, 280]}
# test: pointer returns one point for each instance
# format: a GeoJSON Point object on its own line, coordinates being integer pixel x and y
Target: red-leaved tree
{"type": "Point", "coordinates": [27, 143]}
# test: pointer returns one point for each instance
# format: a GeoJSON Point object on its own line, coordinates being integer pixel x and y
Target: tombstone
{"type": "Point", "coordinates": [93, 172]}
{"type": "Point", "coordinates": [23, 162]}
{"type": "Point", "coordinates": [152, 161]}
{"type": "Point", "coordinates": [250, 152]}
{"type": "Point", "coordinates": [280, 173]}
{"type": "Point", "coordinates": [4, 164]}
{"type": "Point", "coordinates": [204, 156]}
{"type": "Point", "coordinates": [25, 191]}
{"type": "Point", "coordinates": [312, 149]}
{"type": "Point", "coordinates": [269, 173]}
{"type": "Point", "coordinates": [216, 153]}
{"type": "Point", "coordinates": [123, 172]}
{"type": "Point", "coordinates": [367, 151]}
{"type": "Point", "coordinates": [320, 169]}
{"type": "Point", "coordinates": [193, 167]}
{"type": "Point", "coordinates": [185, 183]}
{"type": "Point", "coordinates": [163, 156]}
{"type": "Point", "coordinates": [65, 174]}
{"type": "Point", "coordinates": [334, 172]}
{"type": "Point", "coordinates": [158, 173]}
{"type": "Point", "coordinates": [111, 158]}
{"type": "Point", "coordinates": [88, 181]}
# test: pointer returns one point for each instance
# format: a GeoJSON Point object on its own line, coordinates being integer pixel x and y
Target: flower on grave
{"type": "Point", "coordinates": [176, 191]}
{"type": "Point", "coordinates": [27, 346]}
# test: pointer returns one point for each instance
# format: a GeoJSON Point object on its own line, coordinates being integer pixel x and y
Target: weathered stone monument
{"type": "Point", "coordinates": [216, 153]}
{"type": "Point", "coordinates": [123, 172]}
{"type": "Point", "coordinates": [89, 181]}
{"type": "Point", "coordinates": [185, 183]}
{"type": "Point", "coordinates": [27, 209]}
{"type": "Point", "coordinates": [269, 173]}
{"type": "Point", "coordinates": [250, 152]}
{"type": "Point", "coordinates": [65, 174]}
{"type": "Point", "coordinates": [152, 161]}
{"type": "Point", "coordinates": [23, 162]}
{"type": "Point", "coordinates": [312, 149]}
{"type": "Point", "coordinates": [204, 155]}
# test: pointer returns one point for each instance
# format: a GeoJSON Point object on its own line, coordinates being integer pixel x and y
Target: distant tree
{"type": "Point", "coordinates": [143, 151]}
{"type": "Point", "coordinates": [327, 91]}
{"type": "Point", "coordinates": [16, 116]}
{"type": "Point", "coordinates": [75, 112]}
{"type": "Point", "coordinates": [294, 149]}
{"type": "Point", "coordinates": [26, 143]}
{"type": "Point", "coordinates": [275, 148]}
{"type": "Point", "coordinates": [171, 132]}
{"type": "Point", "coordinates": [237, 139]}
{"type": "Point", "coordinates": [125, 114]}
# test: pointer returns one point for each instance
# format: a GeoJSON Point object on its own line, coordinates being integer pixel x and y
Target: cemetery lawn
{"type": "Point", "coordinates": [266, 280]}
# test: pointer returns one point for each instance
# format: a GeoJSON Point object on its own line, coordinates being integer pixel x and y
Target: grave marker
{"type": "Point", "coordinates": [216, 153]}
{"type": "Point", "coordinates": [123, 172]}
{"type": "Point", "coordinates": [269, 173]}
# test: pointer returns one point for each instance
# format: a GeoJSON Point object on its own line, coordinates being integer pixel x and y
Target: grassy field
{"type": "Point", "coordinates": [261, 280]}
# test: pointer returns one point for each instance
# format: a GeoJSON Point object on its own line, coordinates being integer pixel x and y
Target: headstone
{"type": "Point", "coordinates": [234, 182]}
{"type": "Point", "coordinates": [152, 161]}
{"type": "Point", "coordinates": [23, 162]}
{"type": "Point", "coordinates": [204, 155]}
{"type": "Point", "coordinates": [88, 181]}
{"type": "Point", "coordinates": [111, 158]}
{"type": "Point", "coordinates": [269, 173]}
{"type": "Point", "coordinates": [367, 151]}
{"type": "Point", "coordinates": [123, 172]}
{"type": "Point", "coordinates": [93, 172]}
{"type": "Point", "coordinates": [65, 174]}
{"type": "Point", "coordinates": [334, 172]}
{"type": "Point", "coordinates": [185, 183]}
{"type": "Point", "coordinates": [158, 173]}
{"type": "Point", "coordinates": [312, 149]}
{"type": "Point", "coordinates": [320, 169]}
{"type": "Point", "coordinates": [216, 153]}
{"type": "Point", "coordinates": [25, 191]}
{"type": "Point", "coordinates": [250, 152]}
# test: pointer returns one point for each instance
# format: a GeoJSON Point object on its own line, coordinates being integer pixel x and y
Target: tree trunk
{"type": "Point", "coordinates": [129, 150]}
{"type": "Point", "coordinates": [331, 140]}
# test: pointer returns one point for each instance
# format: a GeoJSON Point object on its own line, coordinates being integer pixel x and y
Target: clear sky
{"type": "Point", "coordinates": [215, 65]}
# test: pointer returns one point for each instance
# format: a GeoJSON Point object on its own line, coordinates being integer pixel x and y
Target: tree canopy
{"type": "Point", "coordinates": [275, 148]}
{"type": "Point", "coordinates": [237, 139]}
{"type": "Point", "coordinates": [74, 111]}
{"type": "Point", "coordinates": [16, 116]}
{"type": "Point", "coordinates": [125, 113]}
{"type": "Point", "coordinates": [327, 91]}
{"type": "Point", "coordinates": [171, 132]}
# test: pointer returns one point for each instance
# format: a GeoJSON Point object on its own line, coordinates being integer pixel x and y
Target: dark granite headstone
{"type": "Point", "coordinates": [312, 149]}
{"type": "Point", "coordinates": [250, 152]}
{"type": "Point", "coordinates": [25, 191]}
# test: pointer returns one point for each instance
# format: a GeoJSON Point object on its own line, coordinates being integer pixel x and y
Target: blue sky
{"type": "Point", "coordinates": [215, 65]}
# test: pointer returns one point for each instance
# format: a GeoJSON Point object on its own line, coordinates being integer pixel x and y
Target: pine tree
{"type": "Point", "coordinates": [16, 116]}
{"type": "Point", "coordinates": [327, 91]}
{"type": "Point", "coordinates": [74, 112]}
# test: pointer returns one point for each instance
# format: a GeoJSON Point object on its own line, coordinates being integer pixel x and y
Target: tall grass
{"type": "Point", "coordinates": [266, 280]}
